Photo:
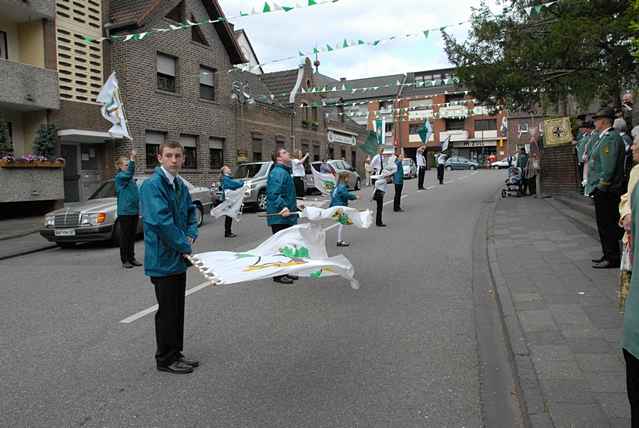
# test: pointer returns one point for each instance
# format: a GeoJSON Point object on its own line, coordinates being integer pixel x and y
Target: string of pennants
{"type": "Point", "coordinates": [267, 8]}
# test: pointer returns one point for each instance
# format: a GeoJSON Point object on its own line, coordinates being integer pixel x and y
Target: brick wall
{"type": "Point", "coordinates": [559, 169]}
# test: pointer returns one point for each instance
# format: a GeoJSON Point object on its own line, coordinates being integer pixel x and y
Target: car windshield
{"type": "Point", "coordinates": [250, 170]}
{"type": "Point", "coordinates": [406, 161]}
{"type": "Point", "coordinates": [106, 190]}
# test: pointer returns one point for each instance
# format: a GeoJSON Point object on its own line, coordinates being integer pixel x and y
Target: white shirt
{"type": "Point", "coordinates": [170, 176]}
{"type": "Point", "coordinates": [421, 161]}
{"type": "Point", "coordinates": [298, 168]}
{"type": "Point", "coordinates": [441, 159]}
{"type": "Point", "coordinates": [376, 163]}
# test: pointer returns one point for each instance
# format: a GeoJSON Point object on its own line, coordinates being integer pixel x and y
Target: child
{"type": "Point", "coordinates": [339, 198]}
{"type": "Point", "coordinates": [229, 183]}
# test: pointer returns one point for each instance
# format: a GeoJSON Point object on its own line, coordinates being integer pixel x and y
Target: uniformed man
{"type": "Point", "coordinates": [582, 141]}
{"type": "Point", "coordinates": [128, 207]}
{"type": "Point", "coordinates": [607, 179]}
{"type": "Point", "coordinates": [421, 166]}
{"type": "Point", "coordinates": [398, 179]}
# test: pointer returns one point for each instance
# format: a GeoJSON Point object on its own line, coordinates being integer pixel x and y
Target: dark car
{"type": "Point", "coordinates": [457, 162]}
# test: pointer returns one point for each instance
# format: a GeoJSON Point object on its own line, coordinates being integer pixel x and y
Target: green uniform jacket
{"type": "Point", "coordinates": [581, 147]}
{"type": "Point", "coordinates": [608, 157]}
{"type": "Point", "coordinates": [631, 315]}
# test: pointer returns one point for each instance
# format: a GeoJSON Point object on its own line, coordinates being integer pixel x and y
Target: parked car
{"type": "Point", "coordinates": [410, 168]}
{"type": "Point", "coordinates": [97, 220]}
{"type": "Point", "coordinates": [254, 175]}
{"type": "Point", "coordinates": [339, 166]}
{"type": "Point", "coordinates": [500, 164]}
{"type": "Point", "coordinates": [457, 162]}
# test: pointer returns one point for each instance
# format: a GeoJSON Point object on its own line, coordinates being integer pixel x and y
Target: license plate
{"type": "Point", "coordinates": [65, 232]}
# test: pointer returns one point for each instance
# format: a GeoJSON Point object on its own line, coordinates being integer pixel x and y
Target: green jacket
{"type": "Point", "coordinates": [608, 157]}
{"type": "Point", "coordinates": [582, 141]}
{"type": "Point", "coordinates": [630, 340]}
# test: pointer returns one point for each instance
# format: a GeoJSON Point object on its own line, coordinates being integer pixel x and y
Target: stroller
{"type": "Point", "coordinates": [513, 183]}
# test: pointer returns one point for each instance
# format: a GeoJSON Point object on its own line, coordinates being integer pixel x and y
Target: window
{"type": "Point", "coordinates": [389, 127]}
{"type": "Point", "coordinates": [486, 125]}
{"type": "Point", "coordinates": [189, 142]}
{"type": "Point", "coordinates": [316, 153]}
{"type": "Point", "coordinates": [88, 158]}
{"type": "Point", "coordinates": [207, 83]}
{"type": "Point", "coordinates": [305, 112]}
{"type": "Point", "coordinates": [455, 98]}
{"type": "Point", "coordinates": [523, 128]}
{"type": "Point", "coordinates": [166, 66]}
{"type": "Point", "coordinates": [197, 35]}
{"type": "Point", "coordinates": [343, 153]}
{"type": "Point", "coordinates": [354, 158]}
{"type": "Point", "coordinates": [315, 114]}
{"type": "Point", "coordinates": [414, 128]}
{"type": "Point", "coordinates": [455, 124]}
{"type": "Point", "coordinates": [216, 153]}
{"type": "Point", "coordinates": [4, 53]}
{"type": "Point", "coordinates": [256, 146]}
{"type": "Point", "coordinates": [177, 13]}
{"type": "Point", "coordinates": [153, 140]}
{"type": "Point", "coordinates": [331, 152]}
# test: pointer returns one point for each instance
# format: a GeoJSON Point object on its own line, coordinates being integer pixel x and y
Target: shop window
{"type": "Point", "coordinates": [216, 153]}
{"type": "Point", "coordinates": [189, 143]}
{"type": "Point", "coordinates": [207, 83]}
{"type": "Point", "coordinates": [166, 71]}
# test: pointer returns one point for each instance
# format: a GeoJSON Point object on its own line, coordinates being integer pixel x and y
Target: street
{"type": "Point", "coordinates": [78, 334]}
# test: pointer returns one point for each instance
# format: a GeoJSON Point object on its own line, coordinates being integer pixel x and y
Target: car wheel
{"type": "Point", "coordinates": [358, 184]}
{"type": "Point", "coordinates": [199, 215]}
{"type": "Point", "coordinates": [261, 200]}
{"type": "Point", "coordinates": [449, 168]}
{"type": "Point", "coordinates": [472, 167]}
{"type": "Point", "coordinates": [65, 244]}
{"type": "Point", "coordinates": [115, 237]}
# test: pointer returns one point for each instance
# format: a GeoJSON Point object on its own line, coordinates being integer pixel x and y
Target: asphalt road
{"type": "Point", "coordinates": [400, 352]}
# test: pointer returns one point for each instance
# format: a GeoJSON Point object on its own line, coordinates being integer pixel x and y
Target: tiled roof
{"type": "Point", "coordinates": [255, 87]}
{"type": "Point", "coordinates": [281, 83]}
{"type": "Point", "coordinates": [370, 82]}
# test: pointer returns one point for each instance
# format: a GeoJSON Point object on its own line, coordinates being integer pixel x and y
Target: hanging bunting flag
{"type": "Point", "coordinates": [426, 33]}
{"type": "Point", "coordinates": [266, 8]}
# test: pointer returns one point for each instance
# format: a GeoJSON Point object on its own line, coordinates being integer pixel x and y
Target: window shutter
{"type": "Point", "coordinates": [188, 141]}
{"type": "Point", "coordinates": [166, 65]}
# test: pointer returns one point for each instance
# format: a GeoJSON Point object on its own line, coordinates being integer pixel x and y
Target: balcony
{"type": "Point", "coordinates": [486, 135]}
{"type": "Point", "coordinates": [460, 135]}
{"type": "Point", "coordinates": [21, 11]}
{"type": "Point", "coordinates": [28, 88]}
{"type": "Point", "coordinates": [453, 112]}
{"type": "Point", "coordinates": [420, 115]}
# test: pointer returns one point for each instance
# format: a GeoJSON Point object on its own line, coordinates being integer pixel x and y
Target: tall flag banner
{"type": "Point", "coordinates": [231, 206]}
{"type": "Point", "coordinates": [299, 250]}
{"type": "Point", "coordinates": [445, 144]}
{"type": "Point", "coordinates": [324, 182]}
{"type": "Point", "coordinates": [504, 127]}
{"type": "Point", "coordinates": [346, 216]}
{"type": "Point", "coordinates": [557, 131]}
{"type": "Point", "coordinates": [112, 108]}
{"type": "Point", "coordinates": [380, 130]}
{"type": "Point", "coordinates": [370, 145]}
{"type": "Point", "coordinates": [425, 132]}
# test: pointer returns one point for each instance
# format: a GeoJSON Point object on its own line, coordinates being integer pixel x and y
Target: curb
{"type": "Point", "coordinates": [45, 246]}
{"type": "Point", "coordinates": [18, 235]}
{"type": "Point", "coordinates": [527, 384]}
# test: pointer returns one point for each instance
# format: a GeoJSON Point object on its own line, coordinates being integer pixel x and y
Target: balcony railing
{"type": "Point", "coordinates": [28, 88]}
{"type": "Point", "coordinates": [420, 114]}
{"type": "Point", "coordinates": [453, 112]}
{"type": "Point", "coordinates": [460, 135]}
{"type": "Point", "coordinates": [24, 11]}
{"type": "Point", "coordinates": [486, 135]}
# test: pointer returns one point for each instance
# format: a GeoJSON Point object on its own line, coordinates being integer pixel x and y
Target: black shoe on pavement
{"type": "Point", "coordinates": [293, 277]}
{"type": "Point", "coordinates": [343, 244]}
{"type": "Point", "coordinates": [606, 265]}
{"type": "Point", "coordinates": [283, 280]}
{"type": "Point", "coordinates": [177, 367]}
{"type": "Point", "coordinates": [134, 262]}
{"type": "Point", "coordinates": [599, 260]}
{"type": "Point", "coordinates": [380, 225]}
{"type": "Point", "coordinates": [187, 362]}
{"type": "Point", "coordinates": [230, 235]}
{"type": "Point", "coordinates": [399, 210]}
{"type": "Point", "coordinates": [127, 265]}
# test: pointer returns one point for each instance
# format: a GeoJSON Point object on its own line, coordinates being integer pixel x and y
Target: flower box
{"type": "Point", "coordinates": [22, 163]}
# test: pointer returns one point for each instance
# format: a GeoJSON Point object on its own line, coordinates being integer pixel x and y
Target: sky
{"type": "Point", "coordinates": [279, 34]}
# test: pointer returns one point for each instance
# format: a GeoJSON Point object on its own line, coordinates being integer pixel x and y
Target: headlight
{"type": "Point", "coordinates": [93, 219]}
{"type": "Point", "coordinates": [49, 220]}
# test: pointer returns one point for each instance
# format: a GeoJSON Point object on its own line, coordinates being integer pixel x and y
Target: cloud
{"type": "Point", "coordinates": [277, 35]}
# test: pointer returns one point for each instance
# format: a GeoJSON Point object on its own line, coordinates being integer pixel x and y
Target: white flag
{"type": "Point", "coordinates": [445, 144]}
{"type": "Point", "coordinates": [299, 250]}
{"type": "Point", "coordinates": [232, 204]}
{"type": "Point", "coordinates": [112, 108]}
{"type": "Point", "coordinates": [342, 215]}
{"type": "Point", "coordinates": [324, 182]}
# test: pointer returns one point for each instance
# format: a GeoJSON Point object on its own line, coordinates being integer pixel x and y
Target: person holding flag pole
{"type": "Point", "coordinates": [228, 183]}
{"type": "Point", "coordinates": [339, 198]}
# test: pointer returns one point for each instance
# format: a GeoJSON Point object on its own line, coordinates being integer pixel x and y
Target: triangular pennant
{"type": "Point", "coordinates": [345, 45]}
{"type": "Point", "coordinates": [426, 33]}
{"type": "Point", "coordinates": [329, 48]}
{"type": "Point", "coordinates": [266, 8]}
{"type": "Point", "coordinates": [312, 2]}
{"type": "Point", "coordinates": [376, 42]}
{"type": "Point", "coordinates": [361, 42]}
{"type": "Point", "coordinates": [287, 8]}
{"type": "Point", "coordinates": [276, 7]}
{"type": "Point", "coordinates": [243, 13]}
{"type": "Point", "coordinates": [253, 11]}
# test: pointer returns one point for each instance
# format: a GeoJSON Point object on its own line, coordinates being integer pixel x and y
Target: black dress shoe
{"type": "Point", "coordinates": [293, 277]}
{"type": "Point", "coordinates": [230, 235]}
{"type": "Point", "coordinates": [135, 263]}
{"type": "Point", "coordinates": [177, 367]}
{"type": "Point", "coordinates": [283, 280]}
{"type": "Point", "coordinates": [192, 363]}
{"type": "Point", "coordinates": [380, 225]}
{"type": "Point", "coordinates": [127, 265]}
{"type": "Point", "coordinates": [399, 210]}
{"type": "Point", "coordinates": [605, 265]}
{"type": "Point", "coordinates": [599, 260]}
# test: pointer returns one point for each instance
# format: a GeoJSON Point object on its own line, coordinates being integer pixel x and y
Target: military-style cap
{"type": "Point", "coordinates": [604, 112]}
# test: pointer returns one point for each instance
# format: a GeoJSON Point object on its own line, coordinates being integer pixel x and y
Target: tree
{"type": "Point", "coordinates": [534, 54]}
{"type": "Point", "coordinates": [635, 27]}
{"type": "Point", "coordinates": [45, 141]}
{"type": "Point", "coordinates": [6, 146]}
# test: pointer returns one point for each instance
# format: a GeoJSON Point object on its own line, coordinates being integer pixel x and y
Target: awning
{"type": "Point", "coordinates": [84, 136]}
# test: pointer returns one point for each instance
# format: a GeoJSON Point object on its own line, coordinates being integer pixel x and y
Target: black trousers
{"type": "Point", "coordinates": [398, 197]}
{"type": "Point", "coordinates": [169, 319]}
{"type": "Point", "coordinates": [420, 177]}
{"type": "Point", "coordinates": [607, 213]}
{"type": "Point", "coordinates": [440, 173]}
{"type": "Point", "coordinates": [378, 197]}
{"type": "Point", "coordinates": [128, 228]}
{"type": "Point", "coordinates": [299, 186]}
{"type": "Point", "coordinates": [276, 228]}
{"type": "Point", "coordinates": [632, 386]}
{"type": "Point", "coordinates": [228, 222]}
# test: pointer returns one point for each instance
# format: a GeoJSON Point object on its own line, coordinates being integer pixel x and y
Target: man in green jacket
{"type": "Point", "coordinates": [608, 155]}
{"type": "Point", "coordinates": [128, 206]}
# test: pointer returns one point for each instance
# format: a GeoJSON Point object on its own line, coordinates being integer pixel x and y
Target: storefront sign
{"type": "Point", "coordinates": [461, 144]}
{"type": "Point", "coordinates": [336, 137]}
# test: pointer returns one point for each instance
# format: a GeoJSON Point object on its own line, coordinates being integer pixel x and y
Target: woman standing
{"type": "Point", "coordinates": [368, 169]}
{"type": "Point", "coordinates": [340, 198]}
{"type": "Point", "coordinates": [228, 183]}
{"type": "Point", "coordinates": [299, 172]}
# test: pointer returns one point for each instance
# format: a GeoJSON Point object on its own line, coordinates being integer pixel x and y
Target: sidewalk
{"type": "Point", "coordinates": [561, 315]}
{"type": "Point", "coordinates": [21, 236]}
